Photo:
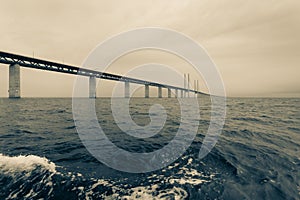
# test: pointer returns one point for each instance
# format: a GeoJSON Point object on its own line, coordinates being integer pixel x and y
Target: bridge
{"type": "Point", "coordinates": [16, 61]}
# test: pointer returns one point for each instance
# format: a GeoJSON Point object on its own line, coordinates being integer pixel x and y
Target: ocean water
{"type": "Point", "coordinates": [256, 157]}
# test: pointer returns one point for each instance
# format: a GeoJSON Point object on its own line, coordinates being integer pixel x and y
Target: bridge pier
{"type": "Point", "coordinates": [92, 87]}
{"type": "Point", "coordinates": [127, 93]}
{"type": "Point", "coordinates": [169, 93]}
{"type": "Point", "coordinates": [14, 81]}
{"type": "Point", "coordinates": [188, 86]}
{"type": "Point", "coordinates": [146, 91]}
{"type": "Point", "coordinates": [176, 93]}
{"type": "Point", "coordinates": [181, 93]}
{"type": "Point", "coordinates": [159, 92]}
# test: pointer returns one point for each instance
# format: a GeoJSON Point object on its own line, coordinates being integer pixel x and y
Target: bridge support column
{"type": "Point", "coordinates": [188, 86]}
{"type": "Point", "coordinates": [127, 93]}
{"type": "Point", "coordinates": [176, 93]}
{"type": "Point", "coordinates": [14, 81]}
{"type": "Point", "coordinates": [146, 91]}
{"type": "Point", "coordinates": [159, 92]}
{"type": "Point", "coordinates": [169, 93]}
{"type": "Point", "coordinates": [92, 87]}
{"type": "Point", "coordinates": [181, 93]}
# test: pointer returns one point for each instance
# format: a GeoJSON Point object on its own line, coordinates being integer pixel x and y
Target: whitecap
{"type": "Point", "coordinates": [24, 163]}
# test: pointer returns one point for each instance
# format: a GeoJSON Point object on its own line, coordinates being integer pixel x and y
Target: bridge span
{"type": "Point", "coordinates": [16, 61]}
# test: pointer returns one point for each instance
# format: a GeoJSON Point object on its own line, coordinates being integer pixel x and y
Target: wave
{"type": "Point", "coordinates": [26, 177]}
{"type": "Point", "coordinates": [34, 177]}
{"type": "Point", "coordinates": [18, 164]}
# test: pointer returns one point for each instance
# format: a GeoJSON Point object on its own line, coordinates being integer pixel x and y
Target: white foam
{"type": "Point", "coordinates": [173, 166]}
{"type": "Point", "coordinates": [190, 161]}
{"type": "Point", "coordinates": [183, 181]}
{"type": "Point", "coordinates": [147, 192]}
{"type": "Point", "coordinates": [185, 175]}
{"type": "Point", "coordinates": [189, 176]}
{"type": "Point", "coordinates": [14, 165]}
{"type": "Point", "coordinates": [138, 192]}
{"type": "Point", "coordinates": [24, 163]}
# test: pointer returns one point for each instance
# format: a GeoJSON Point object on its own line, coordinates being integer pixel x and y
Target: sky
{"type": "Point", "coordinates": [254, 44]}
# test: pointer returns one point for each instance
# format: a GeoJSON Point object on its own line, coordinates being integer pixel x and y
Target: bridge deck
{"type": "Point", "coordinates": [24, 61]}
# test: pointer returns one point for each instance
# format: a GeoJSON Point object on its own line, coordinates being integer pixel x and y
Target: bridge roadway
{"type": "Point", "coordinates": [24, 61]}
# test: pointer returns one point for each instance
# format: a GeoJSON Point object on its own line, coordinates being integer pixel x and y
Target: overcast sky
{"type": "Point", "coordinates": [255, 44]}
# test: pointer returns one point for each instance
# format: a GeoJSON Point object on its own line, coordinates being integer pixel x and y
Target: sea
{"type": "Point", "coordinates": [256, 157]}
